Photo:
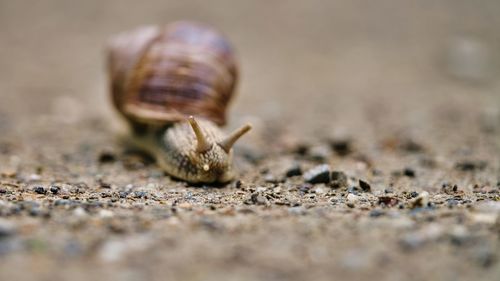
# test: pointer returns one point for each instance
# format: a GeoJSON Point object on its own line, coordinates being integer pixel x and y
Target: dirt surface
{"type": "Point", "coordinates": [400, 101]}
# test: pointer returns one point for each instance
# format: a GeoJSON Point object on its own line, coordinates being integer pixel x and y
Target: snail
{"type": "Point", "coordinates": [173, 84]}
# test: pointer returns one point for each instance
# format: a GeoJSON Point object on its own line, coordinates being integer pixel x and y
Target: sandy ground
{"type": "Point", "coordinates": [402, 96]}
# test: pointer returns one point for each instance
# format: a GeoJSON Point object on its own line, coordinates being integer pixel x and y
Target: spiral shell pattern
{"type": "Point", "coordinates": [163, 75]}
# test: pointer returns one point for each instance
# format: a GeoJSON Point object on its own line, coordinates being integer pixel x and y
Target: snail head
{"type": "Point", "coordinates": [213, 158]}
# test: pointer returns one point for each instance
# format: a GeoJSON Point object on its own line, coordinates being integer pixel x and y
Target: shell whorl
{"type": "Point", "coordinates": [161, 75]}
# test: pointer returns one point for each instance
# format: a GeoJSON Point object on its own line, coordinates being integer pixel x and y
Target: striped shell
{"type": "Point", "coordinates": [161, 75]}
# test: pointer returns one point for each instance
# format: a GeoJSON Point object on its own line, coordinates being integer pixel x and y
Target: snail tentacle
{"type": "Point", "coordinates": [229, 141]}
{"type": "Point", "coordinates": [202, 143]}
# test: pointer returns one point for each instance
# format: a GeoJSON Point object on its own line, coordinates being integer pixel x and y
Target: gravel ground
{"type": "Point", "coordinates": [377, 158]}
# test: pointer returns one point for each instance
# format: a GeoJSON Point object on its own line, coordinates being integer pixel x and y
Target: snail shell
{"type": "Point", "coordinates": [161, 77]}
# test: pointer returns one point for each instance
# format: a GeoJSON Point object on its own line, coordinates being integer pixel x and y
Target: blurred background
{"type": "Point", "coordinates": [413, 86]}
{"type": "Point", "coordinates": [315, 66]}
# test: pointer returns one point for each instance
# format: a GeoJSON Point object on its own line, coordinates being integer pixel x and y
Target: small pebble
{"type": "Point", "coordinates": [452, 203]}
{"type": "Point", "coordinates": [40, 190]}
{"type": "Point", "coordinates": [470, 165]}
{"type": "Point", "coordinates": [35, 212]}
{"type": "Point", "coordinates": [319, 153]}
{"type": "Point", "coordinates": [459, 235]}
{"type": "Point", "coordinates": [364, 186]}
{"type": "Point", "coordinates": [294, 170]}
{"type": "Point", "coordinates": [305, 188]}
{"type": "Point", "coordinates": [411, 146]}
{"type": "Point", "coordinates": [79, 212]}
{"type": "Point", "coordinates": [140, 194]}
{"type": "Point", "coordinates": [351, 198]}
{"type": "Point", "coordinates": [261, 189]}
{"type": "Point", "coordinates": [210, 224]}
{"type": "Point", "coordinates": [258, 199]}
{"type": "Point", "coordinates": [449, 189]}
{"type": "Point", "coordinates": [376, 213]}
{"type": "Point", "coordinates": [409, 172]}
{"type": "Point", "coordinates": [54, 189]}
{"type": "Point", "coordinates": [103, 184]}
{"type": "Point", "coordinates": [270, 178]}
{"type": "Point", "coordinates": [318, 174]}
{"type": "Point", "coordinates": [34, 177]}
{"type": "Point", "coordinates": [62, 202]}
{"type": "Point", "coordinates": [238, 184]}
{"type": "Point", "coordinates": [103, 213]}
{"type": "Point", "coordinates": [300, 149]}
{"type": "Point", "coordinates": [123, 194]}
{"type": "Point", "coordinates": [319, 190]}
{"type": "Point", "coordinates": [389, 201]}
{"type": "Point", "coordinates": [8, 173]}
{"type": "Point", "coordinates": [338, 179]}
{"type": "Point", "coordinates": [354, 190]}
{"type": "Point", "coordinates": [106, 157]}
{"type": "Point", "coordinates": [185, 205]}
{"type": "Point", "coordinates": [422, 200]}
{"type": "Point", "coordinates": [342, 147]}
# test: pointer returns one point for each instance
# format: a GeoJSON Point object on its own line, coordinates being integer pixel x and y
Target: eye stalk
{"type": "Point", "coordinates": [228, 142]}
{"type": "Point", "coordinates": [202, 143]}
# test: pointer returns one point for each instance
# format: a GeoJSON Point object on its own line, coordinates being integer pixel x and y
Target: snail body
{"type": "Point", "coordinates": [173, 84]}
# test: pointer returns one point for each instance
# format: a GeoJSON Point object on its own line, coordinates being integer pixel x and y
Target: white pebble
{"type": "Point", "coordinates": [351, 198]}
